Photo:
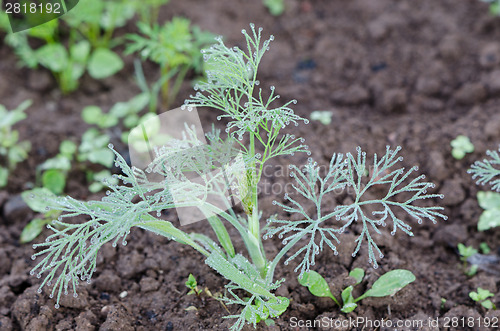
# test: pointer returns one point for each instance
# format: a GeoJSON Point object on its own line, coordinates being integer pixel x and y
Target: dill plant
{"type": "Point", "coordinates": [254, 131]}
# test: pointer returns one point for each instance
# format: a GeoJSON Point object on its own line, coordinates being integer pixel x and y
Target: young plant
{"type": "Point", "coordinates": [487, 172]}
{"type": "Point", "coordinates": [254, 126]}
{"type": "Point", "coordinates": [465, 253]}
{"type": "Point", "coordinates": [387, 285]}
{"type": "Point", "coordinates": [12, 151]}
{"type": "Point", "coordinates": [323, 116]}
{"type": "Point", "coordinates": [275, 7]}
{"type": "Point", "coordinates": [192, 285]}
{"type": "Point", "coordinates": [461, 145]}
{"type": "Point", "coordinates": [175, 46]}
{"type": "Point", "coordinates": [67, 62]}
{"type": "Point", "coordinates": [481, 297]}
{"type": "Point", "coordinates": [35, 199]}
{"type": "Point", "coordinates": [54, 171]}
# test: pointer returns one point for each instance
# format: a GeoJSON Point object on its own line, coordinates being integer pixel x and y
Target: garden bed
{"type": "Point", "coordinates": [407, 73]}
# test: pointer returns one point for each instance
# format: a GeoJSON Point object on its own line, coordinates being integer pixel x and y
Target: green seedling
{"type": "Point", "coordinates": [175, 46]}
{"type": "Point", "coordinates": [12, 151]}
{"type": "Point", "coordinates": [481, 297]}
{"type": "Point", "coordinates": [461, 145]}
{"type": "Point", "coordinates": [490, 217]}
{"type": "Point", "coordinates": [96, 20]}
{"type": "Point", "coordinates": [443, 302]}
{"type": "Point", "coordinates": [67, 62]}
{"type": "Point", "coordinates": [487, 172]}
{"type": "Point", "coordinates": [465, 252]}
{"type": "Point", "coordinates": [485, 249]}
{"type": "Point", "coordinates": [323, 116]}
{"type": "Point", "coordinates": [54, 172]}
{"type": "Point", "coordinates": [36, 200]}
{"type": "Point", "coordinates": [387, 285]}
{"type": "Point", "coordinates": [275, 7]}
{"type": "Point", "coordinates": [192, 285]}
{"type": "Point", "coordinates": [255, 124]}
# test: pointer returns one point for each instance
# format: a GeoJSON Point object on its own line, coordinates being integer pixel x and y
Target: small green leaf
{"type": "Point", "coordinates": [95, 187]}
{"type": "Point", "coordinates": [323, 116]}
{"type": "Point", "coordinates": [67, 148]}
{"type": "Point", "coordinates": [316, 284]}
{"type": "Point", "coordinates": [461, 145]}
{"type": "Point", "coordinates": [484, 294]}
{"type": "Point", "coordinates": [191, 282]}
{"type": "Point", "coordinates": [104, 63]}
{"type": "Point", "coordinates": [275, 7]}
{"type": "Point", "coordinates": [54, 180]}
{"type": "Point", "coordinates": [53, 56]}
{"type": "Point", "coordinates": [488, 304]}
{"type": "Point", "coordinates": [357, 274]}
{"type": "Point", "coordinates": [32, 230]}
{"type": "Point", "coordinates": [485, 249]}
{"type": "Point", "coordinates": [348, 300]}
{"type": "Point", "coordinates": [389, 283]}
{"type": "Point", "coordinates": [60, 162]}
{"type": "Point", "coordinates": [279, 304]}
{"type": "Point", "coordinates": [489, 219]}
{"type": "Point", "coordinates": [347, 308]}
{"type": "Point", "coordinates": [488, 199]}
{"type": "Point", "coordinates": [80, 51]}
{"type": "Point", "coordinates": [36, 199]}
{"type": "Point", "coordinates": [102, 156]}
{"type": "Point", "coordinates": [91, 114]}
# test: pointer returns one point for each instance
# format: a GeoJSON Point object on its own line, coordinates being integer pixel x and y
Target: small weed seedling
{"type": "Point", "coordinates": [387, 285]}
{"type": "Point", "coordinates": [275, 7]}
{"type": "Point", "coordinates": [481, 297]}
{"type": "Point", "coordinates": [466, 252]}
{"type": "Point", "coordinates": [175, 46]}
{"type": "Point", "coordinates": [323, 116]}
{"type": "Point", "coordinates": [485, 249]}
{"type": "Point", "coordinates": [255, 134]}
{"type": "Point", "coordinates": [461, 145]}
{"type": "Point", "coordinates": [12, 151]}
{"type": "Point", "coordinates": [192, 285]}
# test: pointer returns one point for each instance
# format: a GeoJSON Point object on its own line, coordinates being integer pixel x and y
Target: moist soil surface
{"type": "Point", "coordinates": [413, 74]}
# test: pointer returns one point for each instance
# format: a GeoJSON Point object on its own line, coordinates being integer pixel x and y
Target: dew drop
{"type": "Point", "coordinates": [110, 145]}
{"type": "Point", "coordinates": [56, 306]}
{"type": "Point", "coordinates": [39, 290]}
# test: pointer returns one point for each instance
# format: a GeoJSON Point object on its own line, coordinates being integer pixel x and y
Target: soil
{"type": "Point", "coordinates": [408, 73]}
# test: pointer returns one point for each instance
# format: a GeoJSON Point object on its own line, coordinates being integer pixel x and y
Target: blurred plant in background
{"type": "Point", "coordinates": [175, 47]}
{"type": "Point", "coordinates": [12, 151]}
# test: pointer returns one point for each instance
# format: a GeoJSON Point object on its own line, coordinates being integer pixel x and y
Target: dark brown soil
{"type": "Point", "coordinates": [408, 73]}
